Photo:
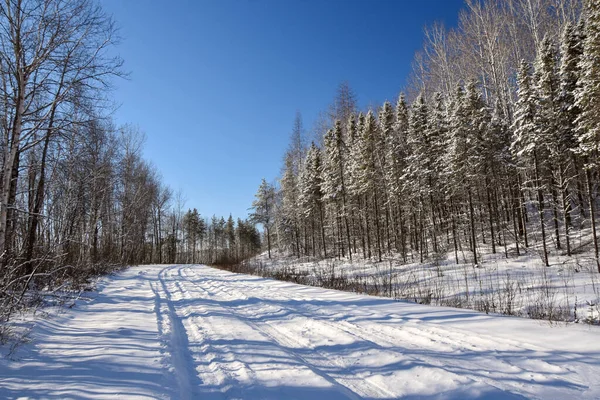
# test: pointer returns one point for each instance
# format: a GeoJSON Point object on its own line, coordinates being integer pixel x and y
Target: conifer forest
{"type": "Point", "coordinates": [492, 148]}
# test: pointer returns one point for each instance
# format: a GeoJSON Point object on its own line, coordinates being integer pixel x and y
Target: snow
{"type": "Point", "coordinates": [568, 290]}
{"type": "Point", "coordinates": [186, 332]}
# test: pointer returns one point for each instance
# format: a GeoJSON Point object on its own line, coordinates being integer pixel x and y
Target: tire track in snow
{"type": "Point", "coordinates": [318, 363]}
{"type": "Point", "coordinates": [376, 390]}
{"type": "Point", "coordinates": [448, 335]}
{"type": "Point", "coordinates": [453, 338]}
{"type": "Point", "coordinates": [229, 380]}
{"type": "Point", "coordinates": [174, 336]}
{"type": "Point", "coordinates": [224, 371]}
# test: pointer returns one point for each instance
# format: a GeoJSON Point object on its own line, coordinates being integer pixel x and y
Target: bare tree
{"type": "Point", "coordinates": [52, 52]}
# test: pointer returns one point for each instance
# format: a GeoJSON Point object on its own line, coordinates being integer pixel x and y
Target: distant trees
{"type": "Point", "coordinates": [217, 241]}
{"type": "Point", "coordinates": [498, 148]}
{"type": "Point", "coordinates": [194, 229]}
{"type": "Point", "coordinates": [264, 210]}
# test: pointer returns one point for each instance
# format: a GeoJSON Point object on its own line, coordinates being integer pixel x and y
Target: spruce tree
{"type": "Point", "coordinates": [569, 72]}
{"type": "Point", "coordinates": [499, 175]}
{"type": "Point", "coordinates": [355, 179]}
{"type": "Point", "coordinates": [438, 142]}
{"type": "Point", "coordinates": [370, 173]}
{"type": "Point", "coordinates": [385, 163]}
{"type": "Point", "coordinates": [401, 127]}
{"type": "Point", "coordinates": [341, 159]}
{"type": "Point", "coordinates": [332, 182]}
{"type": "Point", "coordinates": [588, 101]}
{"type": "Point", "coordinates": [480, 153]}
{"type": "Point", "coordinates": [418, 170]}
{"type": "Point", "coordinates": [263, 208]}
{"type": "Point", "coordinates": [527, 145]}
{"type": "Point", "coordinates": [230, 234]}
{"type": "Point", "coordinates": [350, 172]}
{"type": "Point", "coordinates": [390, 146]}
{"type": "Point", "coordinates": [548, 124]}
{"type": "Point", "coordinates": [288, 214]}
{"type": "Point", "coordinates": [395, 147]}
{"type": "Point", "coordinates": [457, 165]}
{"type": "Point", "coordinates": [311, 194]}
{"type": "Point", "coordinates": [571, 50]}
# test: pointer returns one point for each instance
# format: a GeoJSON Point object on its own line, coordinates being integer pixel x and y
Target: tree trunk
{"type": "Point", "coordinates": [540, 195]}
{"type": "Point", "coordinates": [472, 220]}
{"type": "Point", "coordinates": [490, 214]}
{"type": "Point", "coordinates": [588, 181]}
{"type": "Point", "coordinates": [378, 235]}
{"type": "Point", "coordinates": [11, 158]}
{"type": "Point", "coordinates": [322, 231]}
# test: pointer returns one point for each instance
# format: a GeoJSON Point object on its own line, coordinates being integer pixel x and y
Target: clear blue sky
{"type": "Point", "coordinates": [215, 85]}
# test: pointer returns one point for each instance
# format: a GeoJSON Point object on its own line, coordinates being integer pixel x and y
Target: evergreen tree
{"type": "Point", "coordinates": [548, 124]}
{"type": "Point", "coordinates": [528, 145]}
{"type": "Point", "coordinates": [355, 129]}
{"type": "Point", "coordinates": [288, 218]}
{"type": "Point", "coordinates": [570, 168]}
{"type": "Point", "coordinates": [418, 171]}
{"type": "Point", "coordinates": [288, 215]}
{"type": "Point", "coordinates": [248, 239]}
{"type": "Point", "coordinates": [263, 208]}
{"type": "Point", "coordinates": [194, 230]}
{"type": "Point", "coordinates": [588, 101]}
{"type": "Point", "coordinates": [352, 205]}
{"type": "Point", "coordinates": [355, 188]}
{"type": "Point", "coordinates": [334, 181]}
{"type": "Point", "coordinates": [370, 174]}
{"type": "Point", "coordinates": [230, 235]}
{"type": "Point", "coordinates": [456, 163]}
{"type": "Point", "coordinates": [569, 71]}
{"type": "Point", "coordinates": [384, 164]}
{"type": "Point", "coordinates": [397, 154]}
{"type": "Point", "coordinates": [311, 195]}
{"type": "Point", "coordinates": [480, 151]}
{"type": "Point", "coordinates": [499, 178]}
{"type": "Point", "coordinates": [437, 137]}
{"type": "Point", "coordinates": [396, 151]}
{"type": "Point", "coordinates": [389, 145]}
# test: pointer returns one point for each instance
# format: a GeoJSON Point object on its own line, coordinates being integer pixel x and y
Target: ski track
{"type": "Point", "coordinates": [210, 334]}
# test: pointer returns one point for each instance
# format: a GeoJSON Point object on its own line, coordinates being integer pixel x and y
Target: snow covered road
{"type": "Point", "coordinates": [187, 332]}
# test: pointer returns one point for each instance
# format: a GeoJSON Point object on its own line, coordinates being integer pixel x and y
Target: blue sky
{"type": "Point", "coordinates": [215, 85]}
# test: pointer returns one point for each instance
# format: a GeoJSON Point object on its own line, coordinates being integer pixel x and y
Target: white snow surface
{"type": "Point", "coordinates": [190, 331]}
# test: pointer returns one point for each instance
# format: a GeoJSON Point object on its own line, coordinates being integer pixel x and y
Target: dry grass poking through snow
{"type": "Point", "coordinates": [567, 291]}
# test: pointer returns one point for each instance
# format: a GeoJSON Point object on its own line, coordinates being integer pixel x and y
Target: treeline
{"type": "Point", "coordinates": [215, 242]}
{"type": "Point", "coordinates": [495, 149]}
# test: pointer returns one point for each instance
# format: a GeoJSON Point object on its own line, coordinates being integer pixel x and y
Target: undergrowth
{"type": "Point", "coordinates": [485, 288]}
